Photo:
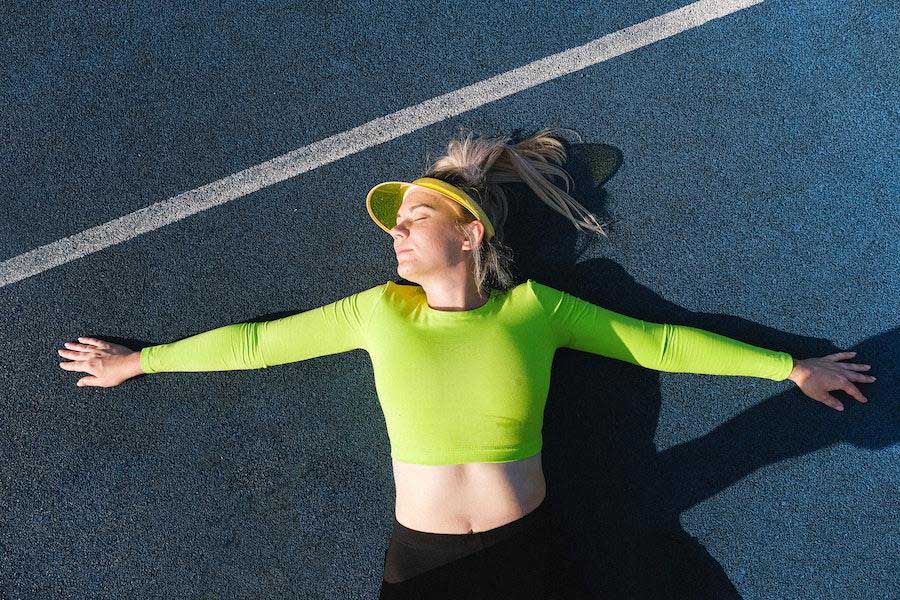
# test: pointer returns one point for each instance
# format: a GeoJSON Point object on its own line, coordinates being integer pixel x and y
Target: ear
{"type": "Point", "coordinates": [476, 230]}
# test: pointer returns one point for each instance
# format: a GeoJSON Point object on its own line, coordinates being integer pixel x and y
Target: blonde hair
{"type": "Point", "coordinates": [480, 165]}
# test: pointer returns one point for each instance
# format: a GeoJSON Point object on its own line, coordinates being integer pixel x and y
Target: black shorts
{"type": "Point", "coordinates": [525, 559]}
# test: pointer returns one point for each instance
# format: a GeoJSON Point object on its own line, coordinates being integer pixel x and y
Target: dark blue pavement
{"type": "Point", "coordinates": [758, 198]}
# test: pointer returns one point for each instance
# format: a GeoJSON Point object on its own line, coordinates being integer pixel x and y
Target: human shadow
{"type": "Point", "coordinates": [619, 498]}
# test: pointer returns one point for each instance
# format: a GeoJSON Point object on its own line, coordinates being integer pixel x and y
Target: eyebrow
{"type": "Point", "coordinates": [415, 206]}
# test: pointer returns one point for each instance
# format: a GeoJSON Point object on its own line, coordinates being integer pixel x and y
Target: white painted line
{"type": "Point", "coordinates": [363, 137]}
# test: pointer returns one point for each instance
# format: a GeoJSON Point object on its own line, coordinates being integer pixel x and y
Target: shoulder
{"type": "Point", "coordinates": [368, 298]}
{"type": "Point", "coordinates": [547, 296]}
{"type": "Point", "coordinates": [374, 292]}
{"type": "Point", "coordinates": [541, 289]}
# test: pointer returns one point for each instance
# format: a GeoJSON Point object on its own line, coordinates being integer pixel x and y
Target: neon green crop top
{"type": "Point", "coordinates": [464, 386]}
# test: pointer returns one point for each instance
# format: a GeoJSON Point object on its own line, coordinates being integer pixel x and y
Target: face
{"type": "Point", "coordinates": [425, 236]}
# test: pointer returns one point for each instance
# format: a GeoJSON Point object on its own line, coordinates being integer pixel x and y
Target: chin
{"type": "Point", "coordinates": [405, 272]}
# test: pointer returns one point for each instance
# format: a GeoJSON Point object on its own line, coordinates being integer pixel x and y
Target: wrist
{"type": "Point", "coordinates": [795, 370]}
{"type": "Point", "coordinates": [134, 364]}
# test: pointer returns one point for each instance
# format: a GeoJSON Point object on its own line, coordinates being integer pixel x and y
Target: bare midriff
{"type": "Point", "coordinates": [467, 498]}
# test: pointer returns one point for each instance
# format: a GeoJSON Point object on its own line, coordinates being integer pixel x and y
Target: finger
{"type": "Point", "coordinates": [76, 354]}
{"type": "Point", "coordinates": [78, 365]}
{"type": "Point", "coordinates": [73, 365]}
{"type": "Point", "coordinates": [841, 355]}
{"type": "Point", "coordinates": [83, 354]}
{"type": "Point", "coordinates": [85, 381]}
{"type": "Point", "coordinates": [832, 402]}
{"type": "Point", "coordinates": [854, 391]}
{"type": "Point", "coordinates": [83, 347]}
{"type": "Point", "coordinates": [855, 366]}
{"type": "Point", "coordinates": [863, 377]}
{"type": "Point", "coordinates": [91, 341]}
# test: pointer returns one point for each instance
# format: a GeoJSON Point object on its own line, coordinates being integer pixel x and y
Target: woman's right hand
{"type": "Point", "coordinates": [108, 364]}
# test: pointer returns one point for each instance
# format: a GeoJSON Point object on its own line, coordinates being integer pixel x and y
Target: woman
{"type": "Point", "coordinates": [462, 369]}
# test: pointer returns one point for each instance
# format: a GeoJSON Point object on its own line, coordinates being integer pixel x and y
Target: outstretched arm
{"type": "Point", "coordinates": [336, 327]}
{"type": "Point", "coordinates": [581, 325]}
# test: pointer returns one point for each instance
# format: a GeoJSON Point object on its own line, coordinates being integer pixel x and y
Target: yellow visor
{"type": "Point", "coordinates": [384, 200]}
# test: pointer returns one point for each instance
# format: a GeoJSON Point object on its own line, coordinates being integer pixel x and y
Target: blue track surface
{"type": "Point", "coordinates": [758, 198]}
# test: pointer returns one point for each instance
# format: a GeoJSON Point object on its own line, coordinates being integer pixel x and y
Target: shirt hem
{"type": "Point", "coordinates": [460, 455]}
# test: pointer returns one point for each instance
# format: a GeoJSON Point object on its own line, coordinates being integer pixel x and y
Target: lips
{"type": "Point", "coordinates": [402, 251]}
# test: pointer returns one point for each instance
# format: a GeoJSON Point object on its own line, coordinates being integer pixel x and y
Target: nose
{"type": "Point", "coordinates": [396, 230]}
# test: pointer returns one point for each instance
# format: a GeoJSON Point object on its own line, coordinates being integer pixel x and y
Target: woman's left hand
{"type": "Point", "coordinates": [818, 376]}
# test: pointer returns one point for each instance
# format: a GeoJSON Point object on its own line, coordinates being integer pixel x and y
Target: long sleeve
{"type": "Point", "coordinates": [337, 327]}
{"type": "Point", "coordinates": [581, 325]}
